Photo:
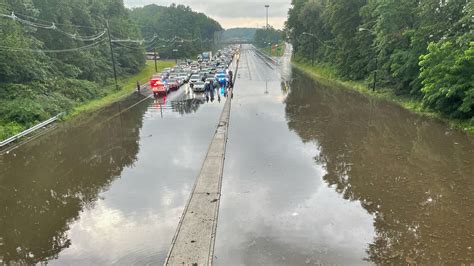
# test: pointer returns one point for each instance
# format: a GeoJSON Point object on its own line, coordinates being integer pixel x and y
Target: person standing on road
{"type": "Point", "coordinates": [211, 90]}
{"type": "Point", "coordinates": [231, 80]}
{"type": "Point", "coordinates": [207, 89]}
{"type": "Point", "coordinates": [217, 86]}
{"type": "Point", "coordinates": [223, 87]}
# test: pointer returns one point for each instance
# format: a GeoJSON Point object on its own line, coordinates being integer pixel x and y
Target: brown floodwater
{"type": "Point", "coordinates": [314, 174]}
{"type": "Point", "coordinates": [317, 174]}
{"type": "Point", "coordinates": [106, 188]}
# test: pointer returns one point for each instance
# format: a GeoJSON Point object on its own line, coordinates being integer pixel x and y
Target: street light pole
{"type": "Point", "coordinates": [312, 46]}
{"type": "Point", "coordinates": [267, 6]}
{"type": "Point", "coordinates": [376, 60]}
{"type": "Point", "coordinates": [375, 73]}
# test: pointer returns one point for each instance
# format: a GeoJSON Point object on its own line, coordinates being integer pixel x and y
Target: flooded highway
{"type": "Point", "coordinates": [105, 188]}
{"type": "Point", "coordinates": [317, 174]}
{"type": "Point", "coordinates": [313, 174]}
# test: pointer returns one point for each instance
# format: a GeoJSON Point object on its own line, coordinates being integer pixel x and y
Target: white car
{"type": "Point", "coordinates": [184, 77]}
{"type": "Point", "coordinates": [195, 78]}
{"type": "Point", "coordinates": [199, 86]}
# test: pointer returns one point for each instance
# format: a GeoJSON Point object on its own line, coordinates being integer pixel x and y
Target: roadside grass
{"type": "Point", "coordinates": [127, 86]}
{"type": "Point", "coordinates": [279, 52]}
{"type": "Point", "coordinates": [327, 74]}
{"type": "Point", "coordinates": [10, 129]}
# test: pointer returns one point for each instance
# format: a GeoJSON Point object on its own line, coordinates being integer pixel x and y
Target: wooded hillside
{"type": "Point", "coordinates": [424, 49]}
{"type": "Point", "coordinates": [55, 55]}
{"type": "Point", "coordinates": [177, 27]}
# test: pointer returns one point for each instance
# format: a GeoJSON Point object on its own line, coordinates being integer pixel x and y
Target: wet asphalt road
{"type": "Point", "coordinates": [313, 174]}
{"type": "Point", "coordinates": [275, 207]}
{"type": "Point", "coordinates": [319, 175]}
{"type": "Point", "coordinates": [105, 188]}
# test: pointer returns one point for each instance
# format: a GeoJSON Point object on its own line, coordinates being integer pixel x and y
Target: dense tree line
{"type": "Point", "coordinates": [36, 81]}
{"type": "Point", "coordinates": [423, 48]}
{"type": "Point", "coordinates": [177, 27]}
{"type": "Point", "coordinates": [265, 37]}
{"type": "Point", "coordinates": [49, 68]}
{"type": "Point", "coordinates": [247, 34]}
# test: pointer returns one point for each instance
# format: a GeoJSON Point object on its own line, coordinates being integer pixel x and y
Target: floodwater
{"type": "Point", "coordinates": [107, 188]}
{"type": "Point", "coordinates": [317, 174]}
{"type": "Point", "coordinates": [313, 174]}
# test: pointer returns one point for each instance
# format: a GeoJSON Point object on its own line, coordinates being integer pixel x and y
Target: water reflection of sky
{"type": "Point", "coordinates": [134, 221]}
{"type": "Point", "coordinates": [276, 207]}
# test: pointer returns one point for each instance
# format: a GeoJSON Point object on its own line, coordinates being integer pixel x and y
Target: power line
{"type": "Point", "coordinates": [128, 41]}
{"type": "Point", "coordinates": [141, 41]}
{"type": "Point", "coordinates": [85, 47]}
{"type": "Point", "coordinates": [49, 22]}
{"type": "Point", "coordinates": [47, 25]}
{"type": "Point", "coordinates": [156, 38]}
{"type": "Point", "coordinates": [53, 26]}
{"type": "Point", "coordinates": [129, 47]}
{"type": "Point", "coordinates": [83, 38]}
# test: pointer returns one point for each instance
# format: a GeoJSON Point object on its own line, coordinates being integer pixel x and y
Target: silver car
{"type": "Point", "coordinates": [195, 78]}
{"type": "Point", "coordinates": [199, 86]}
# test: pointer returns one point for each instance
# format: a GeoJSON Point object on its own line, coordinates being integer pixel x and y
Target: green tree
{"type": "Point", "coordinates": [178, 27]}
{"type": "Point", "coordinates": [447, 73]}
{"type": "Point", "coordinates": [36, 83]}
{"type": "Point", "coordinates": [266, 37]}
{"type": "Point", "coordinates": [358, 37]}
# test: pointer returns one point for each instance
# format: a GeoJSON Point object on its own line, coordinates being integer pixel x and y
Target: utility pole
{"type": "Point", "coordinates": [112, 54]}
{"type": "Point", "coordinates": [154, 57]}
{"type": "Point", "coordinates": [267, 6]}
{"type": "Point", "coordinates": [176, 55]}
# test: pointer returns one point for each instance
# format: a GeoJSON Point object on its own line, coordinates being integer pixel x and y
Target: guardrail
{"type": "Point", "coordinates": [30, 130]}
{"type": "Point", "coordinates": [266, 57]}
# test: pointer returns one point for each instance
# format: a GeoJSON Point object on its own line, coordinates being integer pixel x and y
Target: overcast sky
{"type": "Point", "coordinates": [231, 13]}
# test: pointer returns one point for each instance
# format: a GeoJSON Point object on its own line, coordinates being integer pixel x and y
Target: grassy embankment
{"type": "Point", "coordinates": [329, 74]}
{"type": "Point", "coordinates": [278, 52]}
{"type": "Point", "coordinates": [127, 85]}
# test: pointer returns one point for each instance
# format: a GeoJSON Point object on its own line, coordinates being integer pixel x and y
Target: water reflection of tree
{"type": "Point", "coordinates": [187, 106]}
{"type": "Point", "coordinates": [412, 175]}
{"type": "Point", "coordinates": [44, 186]}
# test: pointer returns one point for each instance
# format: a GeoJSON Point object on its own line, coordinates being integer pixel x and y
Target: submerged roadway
{"type": "Point", "coordinates": [313, 174]}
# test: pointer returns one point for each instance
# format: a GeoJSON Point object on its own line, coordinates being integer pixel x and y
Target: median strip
{"type": "Point", "coordinates": [193, 243]}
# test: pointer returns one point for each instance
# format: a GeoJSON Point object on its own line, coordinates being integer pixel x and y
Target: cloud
{"type": "Point", "coordinates": [231, 13]}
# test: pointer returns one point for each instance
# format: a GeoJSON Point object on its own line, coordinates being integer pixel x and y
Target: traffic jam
{"type": "Point", "coordinates": [208, 74]}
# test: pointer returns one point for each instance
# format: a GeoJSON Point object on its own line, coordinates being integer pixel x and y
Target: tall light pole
{"type": "Point", "coordinates": [312, 46]}
{"type": "Point", "coordinates": [376, 59]}
{"type": "Point", "coordinates": [267, 6]}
